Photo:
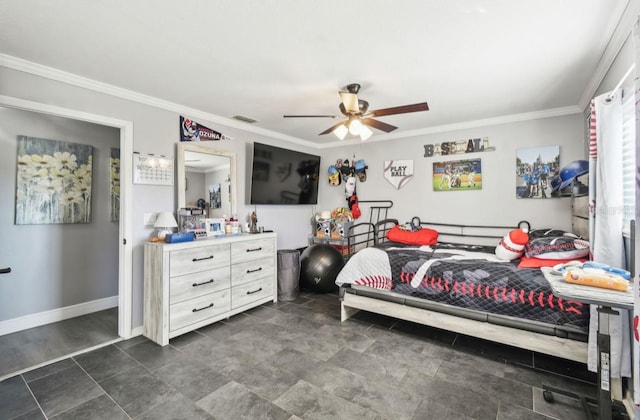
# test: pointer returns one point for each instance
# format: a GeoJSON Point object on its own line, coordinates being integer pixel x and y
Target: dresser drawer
{"type": "Point", "coordinates": [197, 284]}
{"type": "Point", "coordinates": [251, 250]}
{"type": "Point", "coordinates": [194, 310]}
{"type": "Point", "coordinates": [250, 292]}
{"type": "Point", "coordinates": [192, 260]}
{"type": "Point", "coordinates": [252, 270]}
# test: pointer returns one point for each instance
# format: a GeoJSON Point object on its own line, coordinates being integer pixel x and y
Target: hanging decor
{"type": "Point", "coordinates": [536, 171]}
{"type": "Point", "coordinates": [53, 182]}
{"type": "Point", "coordinates": [458, 147]}
{"type": "Point", "coordinates": [114, 175]}
{"type": "Point", "coordinates": [398, 172]}
{"type": "Point", "coordinates": [457, 175]}
{"type": "Point", "coordinates": [192, 131]}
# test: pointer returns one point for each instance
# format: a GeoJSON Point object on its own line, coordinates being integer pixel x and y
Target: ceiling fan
{"type": "Point", "coordinates": [359, 118]}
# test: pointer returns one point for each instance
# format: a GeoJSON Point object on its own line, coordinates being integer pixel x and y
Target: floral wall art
{"type": "Point", "coordinates": [53, 182]}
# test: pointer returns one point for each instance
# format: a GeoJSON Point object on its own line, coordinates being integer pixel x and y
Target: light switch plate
{"type": "Point", "coordinates": [150, 218]}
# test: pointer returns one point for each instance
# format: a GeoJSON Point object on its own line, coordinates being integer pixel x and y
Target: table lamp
{"type": "Point", "coordinates": [165, 222]}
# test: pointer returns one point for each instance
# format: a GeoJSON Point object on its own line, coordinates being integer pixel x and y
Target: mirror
{"type": "Point", "coordinates": [206, 177]}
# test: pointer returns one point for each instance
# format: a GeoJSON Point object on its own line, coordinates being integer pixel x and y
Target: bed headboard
{"type": "Point", "coordinates": [452, 232]}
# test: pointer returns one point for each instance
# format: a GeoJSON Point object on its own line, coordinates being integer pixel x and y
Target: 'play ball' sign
{"type": "Point", "coordinates": [398, 172]}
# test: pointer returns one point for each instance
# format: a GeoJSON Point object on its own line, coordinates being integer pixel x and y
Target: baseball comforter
{"type": "Point", "coordinates": [467, 276]}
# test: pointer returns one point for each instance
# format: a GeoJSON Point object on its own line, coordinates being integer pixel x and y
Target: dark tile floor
{"type": "Point", "coordinates": [25, 349]}
{"type": "Point", "coordinates": [297, 360]}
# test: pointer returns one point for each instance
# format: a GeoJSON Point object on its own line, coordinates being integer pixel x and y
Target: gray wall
{"type": "Point", "coordinates": [63, 264]}
{"type": "Point", "coordinates": [155, 131]}
{"type": "Point", "coordinates": [494, 204]}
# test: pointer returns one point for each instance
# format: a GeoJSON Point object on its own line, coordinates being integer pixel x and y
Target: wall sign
{"type": "Point", "coordinates": [398, 172]}
{"type": "Point", "coordinates": [458, 147]}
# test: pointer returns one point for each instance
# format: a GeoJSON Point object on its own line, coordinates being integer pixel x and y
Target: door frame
{"type": "Point", "coordinates": [125, 248]}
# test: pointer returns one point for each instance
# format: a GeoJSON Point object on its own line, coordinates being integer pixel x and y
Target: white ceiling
{"type": "Point", "coordinates": [471, 60]}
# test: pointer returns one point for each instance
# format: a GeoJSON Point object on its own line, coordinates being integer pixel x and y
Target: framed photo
{"type": "Point", "coordinates": [457, 175]}
{"type": "Point", "coordinates": [535, 166]}
{"type": "Point", "coordinates": [215, 227]}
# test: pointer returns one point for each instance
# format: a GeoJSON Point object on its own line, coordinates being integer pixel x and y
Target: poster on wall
{"type": "Point", "coordinates": [53, 182]}
{"type": "Point", "coordinates": [114, 188]}
{"type": "Point", "coordinates": [398, 172]}
{"type": "Point", "coordinates": [457, 175]}
{"type": "Point", "coordinates": [192, 131]}
{"type": "Point", "coordinates": [535, 166]}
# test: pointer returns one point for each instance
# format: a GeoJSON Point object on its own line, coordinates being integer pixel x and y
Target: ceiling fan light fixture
{"type": "Point", "coordinates": [355, 127]}
{"type": "Point", "coordinates": [365, 133]}
{"type": "Point", "coordinates": [341, 131]}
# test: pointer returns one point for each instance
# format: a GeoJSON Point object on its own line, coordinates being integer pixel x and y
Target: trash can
{"type": "Point", "coordinates": [288, 274]}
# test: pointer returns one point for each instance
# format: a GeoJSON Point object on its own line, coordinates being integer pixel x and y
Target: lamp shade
{"type": "Point", "coordinates": [365, 132]}
{"type": "Point", "coordinates": [341, 131]}
{"type": "Point", "coordinates": [165, 219]}
{"type": "Point", "coordinates": [164, 222]}
{"type": "Point", "coordinates": [355, 126]}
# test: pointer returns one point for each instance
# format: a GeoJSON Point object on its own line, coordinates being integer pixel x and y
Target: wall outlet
{"type": "Point", "coordinates": [150, 218]}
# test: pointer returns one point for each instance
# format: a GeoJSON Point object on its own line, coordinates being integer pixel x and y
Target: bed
{"type": "Point", "coordinates": [458, 284]}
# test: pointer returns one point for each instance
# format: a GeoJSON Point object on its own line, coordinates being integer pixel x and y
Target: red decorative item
{"type": "Point", "coordinates": [353, 206]}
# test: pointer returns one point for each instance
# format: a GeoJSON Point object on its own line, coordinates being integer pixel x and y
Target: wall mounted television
{"type": "Point", "coordinates": [283, 176]}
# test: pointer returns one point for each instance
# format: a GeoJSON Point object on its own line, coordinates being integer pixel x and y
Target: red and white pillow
{"type": "Point", "coordinates": [555, 244]}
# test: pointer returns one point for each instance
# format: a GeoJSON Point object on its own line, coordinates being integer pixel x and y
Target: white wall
{"type": "Point", "coordinates": [55, 266]}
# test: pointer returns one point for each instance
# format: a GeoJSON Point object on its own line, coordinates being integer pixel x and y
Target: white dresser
{"type": "Point", "coordinates": [191, 284]}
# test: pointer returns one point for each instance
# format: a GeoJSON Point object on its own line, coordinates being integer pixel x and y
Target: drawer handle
{"type": "Point", "coordinates": [253, 271]}
{"type": "Point", "coordinates": [202, 309]}
{"type": "Point", "coordinates": [254, 249]}
{"type": "Point", "coordinates": [210, 257]}
{"type": "Point", "coordinates": [252, 292]}
{"type": "Point", "coordinates": [202, 284]}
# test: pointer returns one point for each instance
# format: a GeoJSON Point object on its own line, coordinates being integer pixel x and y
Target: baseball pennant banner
{"type": "Point", "coordinates": [398, 172]}
{"type": "Point", "coordinates": [192, 131]}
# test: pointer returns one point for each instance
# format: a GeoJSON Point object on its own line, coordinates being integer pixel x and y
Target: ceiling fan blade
{"type": "Point", "coordinates": [330, 129]}
{"type": "Point", "coordinates": [404, 109]}
{"type": "Point", "coordinates": [310, 116]}
{"type": "Point", "coordinates": [350, 102]}
{"type": "Point", "coordinates": [378, 124]}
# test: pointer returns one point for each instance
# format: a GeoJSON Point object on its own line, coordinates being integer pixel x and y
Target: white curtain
{"type": "Point", "coordinates": [606, 201]}
{"type": "Point", "coordinates": [636, 257]}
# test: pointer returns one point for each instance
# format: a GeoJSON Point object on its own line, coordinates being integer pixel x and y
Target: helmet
{"type": "Point", "coordinates": [571, 172]}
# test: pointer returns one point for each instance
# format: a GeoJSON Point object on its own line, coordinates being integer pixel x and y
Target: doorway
{"type": "Point", "coordinates": [124, 251]}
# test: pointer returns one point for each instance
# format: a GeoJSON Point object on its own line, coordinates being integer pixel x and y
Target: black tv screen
{"type": "Point", "coordinates": [282, 176]}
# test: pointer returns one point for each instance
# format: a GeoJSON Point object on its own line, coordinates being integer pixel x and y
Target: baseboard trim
{"type": "Point", "coordinates": [47, 317]}
{"type": "Point", "coordinates": [137, 331]}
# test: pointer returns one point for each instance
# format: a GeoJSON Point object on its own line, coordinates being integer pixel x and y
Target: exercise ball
{"type": "Point", "coordinates": [319, 266]}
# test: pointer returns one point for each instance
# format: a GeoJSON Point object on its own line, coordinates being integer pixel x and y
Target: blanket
{"type": "Point", "coordinates": [468, 276]}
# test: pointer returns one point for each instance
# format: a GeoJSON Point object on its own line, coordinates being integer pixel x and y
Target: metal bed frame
{"type": "Point", "coordinates": [534, 336]}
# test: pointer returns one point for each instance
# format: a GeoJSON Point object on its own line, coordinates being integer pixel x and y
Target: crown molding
{"type": "Point", "coordinates": [86, 83]}
{"type": "Point", "coordinates": [505, 119]}
{"type": "Point", "coordinates": [51, 73]}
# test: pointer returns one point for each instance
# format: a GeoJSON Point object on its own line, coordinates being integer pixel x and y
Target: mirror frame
{"type": "Point", "coordinates": [181, 172]}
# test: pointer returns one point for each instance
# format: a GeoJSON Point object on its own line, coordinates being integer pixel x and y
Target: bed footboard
{"type": "Point", "coordinates": [542, 343]}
